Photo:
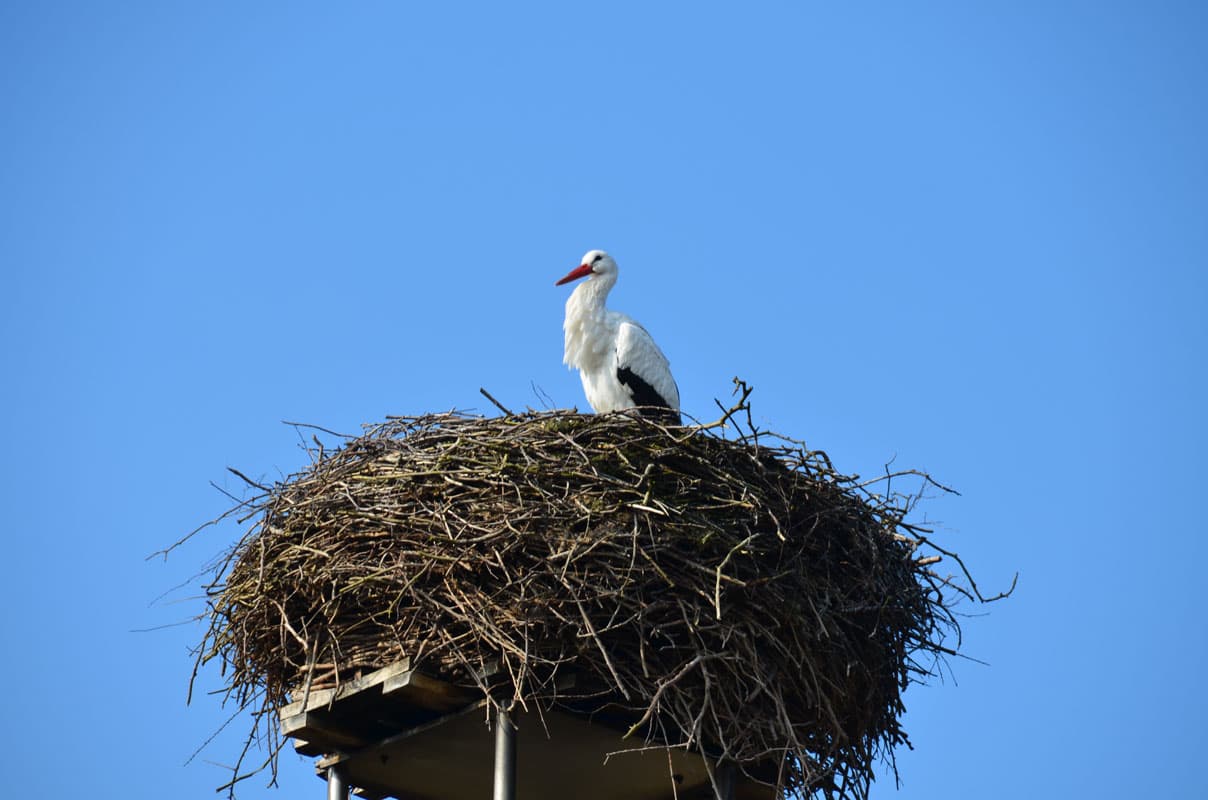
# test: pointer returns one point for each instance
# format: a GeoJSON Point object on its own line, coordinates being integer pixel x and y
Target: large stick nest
{"type": "Point", "coordinates": [739, 597]}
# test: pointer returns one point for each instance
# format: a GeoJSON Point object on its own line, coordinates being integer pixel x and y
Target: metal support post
{"type": "Point", "coordinates": [724, 775]}
{"type": "Point", "coordinates": [505, 756]}
{"type": "Point", "coordinates": [337, 784]}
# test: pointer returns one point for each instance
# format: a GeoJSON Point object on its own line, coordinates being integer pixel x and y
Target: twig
{"type": "Point", "coordinates": [249, 481]}
{"type": "Point", "coordinates": [969, 576]}
{"type": "Point", "coordinates": [498, 404]}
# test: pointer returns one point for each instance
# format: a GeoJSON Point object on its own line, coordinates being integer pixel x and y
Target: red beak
{"type": "Point", "coordinates": [575, 274]}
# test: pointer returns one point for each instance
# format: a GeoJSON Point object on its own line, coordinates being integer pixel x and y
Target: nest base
{"type": "Point", "coordinates": [399, 733]}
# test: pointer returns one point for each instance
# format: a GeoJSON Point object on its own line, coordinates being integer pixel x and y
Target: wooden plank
{"type": "Point", "coordinates": [368, 709]}
{"type": "Point", "coordinates": [305, 748]}
{"type": "Point", "coordinates": [316, 698]}
{"type": "Point", "coordinates": [326, 697]}
{"type": "Point", "coordinates": [427, 692]}
{"type": "Point", "coordinates": [320, 730]}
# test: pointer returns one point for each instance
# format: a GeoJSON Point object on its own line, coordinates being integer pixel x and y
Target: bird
{"type": "Point", "coordinates": [619, 363]}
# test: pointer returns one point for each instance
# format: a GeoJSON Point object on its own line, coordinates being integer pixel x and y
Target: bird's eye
{"type": "Point", "coordinates": [597, 258]}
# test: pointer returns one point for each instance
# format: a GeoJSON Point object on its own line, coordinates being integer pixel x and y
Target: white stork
{"type": "Point", "coordinates": [620, 365]}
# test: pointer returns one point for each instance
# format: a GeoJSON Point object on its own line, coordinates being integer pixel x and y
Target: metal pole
{"type": "Point", "coordinates": [505, 756]}
{"type": "Point", "coordinates": [724, 774]}
{"type": "Point", "coordinates": [337, 784]}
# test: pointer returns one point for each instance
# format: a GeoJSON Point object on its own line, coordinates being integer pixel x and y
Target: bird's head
{"type": "Point", "coordinates": [595, 262]}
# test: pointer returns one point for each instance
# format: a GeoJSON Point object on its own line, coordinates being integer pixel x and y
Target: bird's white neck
{"type": "Point", "coordinates": [591, 293]}
{"type": "Point", "coordinates": [586, 320]}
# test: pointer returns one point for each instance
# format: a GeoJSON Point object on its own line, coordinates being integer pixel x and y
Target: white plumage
{"type": "Point", "coordinates": [618, 361]}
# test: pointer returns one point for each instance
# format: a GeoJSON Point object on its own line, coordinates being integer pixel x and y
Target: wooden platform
{"type": "Point", "coordinates": [399, 733]}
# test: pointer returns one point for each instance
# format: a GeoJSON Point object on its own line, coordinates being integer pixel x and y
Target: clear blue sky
{"type": "Point", "coordinates": [971, 236]}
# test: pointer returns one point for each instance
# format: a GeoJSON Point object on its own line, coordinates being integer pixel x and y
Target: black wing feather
{"type": "Point", "coordinates": [645, 395]}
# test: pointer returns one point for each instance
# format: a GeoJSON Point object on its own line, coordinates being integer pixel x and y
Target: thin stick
{"type": "Point", "coordinates": [498, 404]}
